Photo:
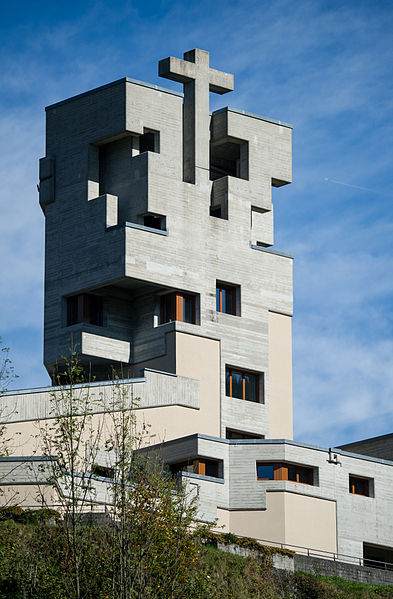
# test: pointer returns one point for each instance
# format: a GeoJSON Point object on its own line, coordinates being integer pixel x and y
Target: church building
{"type": "Point", "coordinates": [160, 264]}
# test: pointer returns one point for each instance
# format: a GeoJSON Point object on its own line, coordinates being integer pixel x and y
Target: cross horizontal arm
{"type": "Point", "coordinates": [177, 69]}
{"type": "Point", "coordinates": [220, 82]}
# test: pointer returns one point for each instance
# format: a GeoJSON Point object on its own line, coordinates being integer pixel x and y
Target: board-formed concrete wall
{"type": "Point", "coordinates": [100, 188]}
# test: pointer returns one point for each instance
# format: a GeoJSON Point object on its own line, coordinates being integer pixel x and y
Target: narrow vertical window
{"type": "Point", "coordinates": [226, 298]}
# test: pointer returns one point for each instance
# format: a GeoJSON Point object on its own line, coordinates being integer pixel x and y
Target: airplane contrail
{"type": "Point", "coordinates": [353, 186]}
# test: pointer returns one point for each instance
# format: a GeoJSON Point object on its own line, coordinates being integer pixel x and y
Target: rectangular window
{"type": "Point", "coordinates": [86, 308]}
{"type": "Point", "coordinates": [203, 466]}
{"type": "Point", "coordinates": [284, 471]}
{"type": "Point", "coordinates": [242, 384]}
{"type": "Point", "coordinates": [154, 221]}
{"type": "Point", "coordinates": [178, 306]}
{"type": "Point", "coordinates": [232, 434]}
{"type": "Point", "coordinates": [226, 298]}
{"type": "Point", "coordinates": [359, 485]}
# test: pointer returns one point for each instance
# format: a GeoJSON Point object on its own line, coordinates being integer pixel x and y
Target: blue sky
{"type": "Point", "coordinates": [325, 67]}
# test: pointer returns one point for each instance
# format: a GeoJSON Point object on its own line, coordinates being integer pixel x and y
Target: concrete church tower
{"type": "Point", "coordinates": [159, 261]}
{"type": "Point", "coordinates": [159, 227]}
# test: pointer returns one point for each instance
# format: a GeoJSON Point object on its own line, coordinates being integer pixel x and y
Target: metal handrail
{"type": "Point", "coordinates": [325, 554]}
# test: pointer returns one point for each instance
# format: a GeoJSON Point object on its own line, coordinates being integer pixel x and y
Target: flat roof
{"type": "Point", "coordinates": [112, 84]}
{"type": "Point", "coordinates": [253, 116]}
{"type": "Point", "coordinates": [328, 450]}
{"type": "Point", "coordinates": [164, 90]}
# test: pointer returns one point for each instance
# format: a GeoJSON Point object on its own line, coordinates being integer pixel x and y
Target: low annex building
{"type": "Point", "coordinates": [160, 261]}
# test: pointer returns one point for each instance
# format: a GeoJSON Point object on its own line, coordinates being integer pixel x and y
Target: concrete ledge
{"type": "Point", "coordinates": [269, 251]}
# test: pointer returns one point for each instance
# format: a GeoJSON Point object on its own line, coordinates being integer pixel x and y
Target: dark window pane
{"type": "Point", "coordinates": [237, 384]}
{"type": "Point", "coordinates": [95, 310]}
{"type": "Point", "coordinates": [152, 221]}
{"type": "Point", "coordinates": [265, 471]}
{"type": "Point", "coordinates": [305, 476]}
{"type": "Point", "coordinates": [166, 308]}
{"type": "Point", "coordinates": [228, 383]}
{"type": "Point", "coordinates": [188, 308]}
{"type": "Point", "coordinates": [72, 310]}
{"type": "Point", "coordinates": [146, 142]}
{"type": "Point", "coordinates": [250, 387]}
{"type": "Point", "coordinates": [229, 301]}
{"type": "Point", "coordinates": [211, 468]}
{"type": "Point", "coordinates": [359, 486]}
{"type": "Point", "coordinates": [85, 308]}
{"type": "Point", "coordinates": [292, 473]}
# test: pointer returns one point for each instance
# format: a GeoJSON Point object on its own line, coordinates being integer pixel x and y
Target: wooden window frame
{"type": "Point", "coordinates": [367, 481]}
{"type": "Point", "coordinates": [280, 472]}
{"type": "Point", "coordinates": [244, 373]}
{"type": "Point", "coordinates": [177, 299]}
{"type": "Point", "coordinates": [232, 289]}
{"type": "Point", "coordinates": [199, 466]}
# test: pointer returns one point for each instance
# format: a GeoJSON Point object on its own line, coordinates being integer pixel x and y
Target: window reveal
{"type": "Point", "coordinates": [359, 485]}
{"type": "Point", "coordinates": [226, 298]}
{"type": "Point", "coordinates": [202, 466]}
{"type": "Point", "coordinates": [242, 384]}
{"type": "Point", "coordinates": [283, 471]}
{"type": "Point", "coordinates": [86, 308]}
{"type": "Point", "coordinates": [178, 306]}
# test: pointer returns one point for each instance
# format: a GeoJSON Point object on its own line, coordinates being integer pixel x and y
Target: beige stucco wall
{"type": "Point", "coordinates": [310, 522]}
{"type": "Point", "coordinates": [28, 495]}
{"type": "Point", "coordinates": [196, 358]}
{"type": "Point", "coordinates": [266, 524]}
{"type": "Point", "coordinates": [280, 376]}
{"type": "Point", "coordinates": [289, 518]}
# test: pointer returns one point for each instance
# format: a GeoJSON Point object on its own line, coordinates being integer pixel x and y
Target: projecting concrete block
{"type": "Point", "coordinates": [104, 347]}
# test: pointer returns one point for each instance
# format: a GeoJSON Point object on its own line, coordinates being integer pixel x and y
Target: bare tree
{"type": "Point", "coordinates": [153, 549]}
{"type": "Point", "coordinates": [71, 438]}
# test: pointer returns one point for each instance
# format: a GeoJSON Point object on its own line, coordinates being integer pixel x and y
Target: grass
{"type": "Point", "coordinates": [33, 565]}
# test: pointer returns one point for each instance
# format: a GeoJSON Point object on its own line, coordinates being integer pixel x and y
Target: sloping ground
{"type": "Point", "coordinates": [228, 576]}
{"type": "Point", "coordinates": [35, 562]}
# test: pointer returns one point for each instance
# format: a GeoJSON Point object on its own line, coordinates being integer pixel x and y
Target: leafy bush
{"type": "Point", "coordinates": [11, 512]}
{"type": "Point", "coordinates": [17, 514]}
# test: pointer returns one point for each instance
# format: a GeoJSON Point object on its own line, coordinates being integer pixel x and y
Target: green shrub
{"type": "Point", "coordinates": [11, 512]}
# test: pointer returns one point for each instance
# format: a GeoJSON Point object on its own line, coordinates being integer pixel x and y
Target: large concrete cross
{"type": "Point", "coordinates": [198, 79]}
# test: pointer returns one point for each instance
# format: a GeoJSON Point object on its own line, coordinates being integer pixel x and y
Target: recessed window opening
{"type": "Point", "coordinates": [359, 485]}
{"type": "Point", "coordinates": [229, 159]}
{"type": "Point", "coordinates": [215, 211]}
{"type": "Point", "coordinates": [378, 556]}
{"type": "Point", "coordinates": [104, 471]}
{"type": "Point", "coordinates": [285, 471]}
{"type": "Point", "coordinates": [154, 221]}
{"type": "Point", "coordinates": [233, 434]}
{"type": "Point", "coordinates": [178, 306]}
{"type": "Point", "coordinates": [202, 466]}
{"type": "Point", "coordinates": [149, 142]}
{"type": "Point", "coordinates": [86, 308]}
{"type": "Point", "coordinates": [226, 298]}
{"type": "Point", "coordinates": [243, 385]}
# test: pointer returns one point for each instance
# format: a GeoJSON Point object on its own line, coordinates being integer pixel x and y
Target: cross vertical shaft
{"type": "Point", "coordinates": [198, 79]}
